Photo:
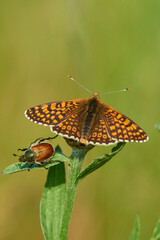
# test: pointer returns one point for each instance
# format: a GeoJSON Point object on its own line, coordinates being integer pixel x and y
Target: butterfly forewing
{"type": "Point", "coordinates": [121, 127]}
{"type": "Point", "coordinates": [52, 114]}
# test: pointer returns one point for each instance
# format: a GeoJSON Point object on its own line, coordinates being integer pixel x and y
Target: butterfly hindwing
{"type": "Point", "coordinates": [72, 126]}
{"type": "Point", "coordinates": [99, 133]}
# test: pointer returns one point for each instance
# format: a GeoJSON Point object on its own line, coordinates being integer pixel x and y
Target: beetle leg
{"type": "Point", "coordinates": [22, 149]}
{"type": "Point", "coordinates": [29, 166]}
{"type": "Point", "coordinates": [37, 140]}
{"type": "Point", "coordinates": [49, 138]}
{"type": "Point", "coordinates": [15, 155]}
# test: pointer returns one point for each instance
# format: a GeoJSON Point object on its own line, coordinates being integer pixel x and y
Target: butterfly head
{"type": "Point", "coordinates": [96, 95]}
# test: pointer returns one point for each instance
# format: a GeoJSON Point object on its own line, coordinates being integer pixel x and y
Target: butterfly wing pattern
{"type": "Point", "coordinates": [99, 134]}
{"type": "Point", "coordinates": [71, 126]}
{"type": "Point", "coordinates": [64, 117]}
{"type": "Point", "coordinates": [52, 114]}
{"type": "Point", "coordinates": [122, 128]}
{"type": "Point", "coordinates": [88, 121]}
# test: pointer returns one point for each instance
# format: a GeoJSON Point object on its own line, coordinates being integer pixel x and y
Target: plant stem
{"type": "Point", "coordinates": [74, 168]}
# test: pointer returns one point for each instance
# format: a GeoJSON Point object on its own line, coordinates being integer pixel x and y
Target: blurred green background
{"type": "Point", "coordinates": [106, 45]}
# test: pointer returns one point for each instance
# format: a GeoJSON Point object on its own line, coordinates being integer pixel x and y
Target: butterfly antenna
{"type": "Point", "coordinates": [79, 84]}
{"type": "Point", "coordinates": [122, 90]}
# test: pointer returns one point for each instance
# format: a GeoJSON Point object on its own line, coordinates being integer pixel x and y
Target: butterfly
{"type": "Point", "coordinates": [87, 121]}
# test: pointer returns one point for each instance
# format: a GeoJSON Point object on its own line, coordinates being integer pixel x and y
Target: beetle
{"type": "Point", "coordinates": [38, 153]}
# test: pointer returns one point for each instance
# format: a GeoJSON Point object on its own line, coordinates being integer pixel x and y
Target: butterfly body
{"type": "Point", "coordinates": [87, 121]}
{"type": "Point", "coordinates": [91, 109]}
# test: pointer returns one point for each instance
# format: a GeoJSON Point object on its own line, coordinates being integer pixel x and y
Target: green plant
{"type": "Point", "coordinates": [157, 126]}
{"type": "Point", "coordinates": [58, 195]}
{"type": "Point", "coordinates": [136, 231]}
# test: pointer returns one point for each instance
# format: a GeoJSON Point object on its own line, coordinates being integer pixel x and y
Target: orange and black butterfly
{"type": "Point", "coordinates": [87, 121]}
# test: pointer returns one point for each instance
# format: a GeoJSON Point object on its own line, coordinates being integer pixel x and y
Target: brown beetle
{"type": "Point", "coordinates": [39, 152]}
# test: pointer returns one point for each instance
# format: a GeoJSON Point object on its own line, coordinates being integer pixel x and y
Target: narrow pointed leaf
{"type": "Point", "coordinates": [52, 202]}
{"type": "Point", "coordinates": [156, 232]}
{"type": "Point", "coordinates": [136, 230]}
{"type": "Point", "coordinates": [21, 166]}
{"type": "Point", "coordinates": [157, 126]}
{"type": "Point", "coordinates": [99, 162]}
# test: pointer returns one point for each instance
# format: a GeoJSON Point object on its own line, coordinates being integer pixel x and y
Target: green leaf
{"type": "Point", "coordinates": [74, 168]}
{"type": "Point", "coordinates": [136, 230]}
{"type": "Point", "coordinates": [99, 162]}
{"type": "Point", "coordinates": [21, 166]}
{"type": "Point", "coordinates": [157, 126]}
{"type": "Point", "coordinates": [52, 202]}
{"type": "Point", "coordinates": [58, 150]}
{"type": "Point", "coordinates": [156, 232]}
